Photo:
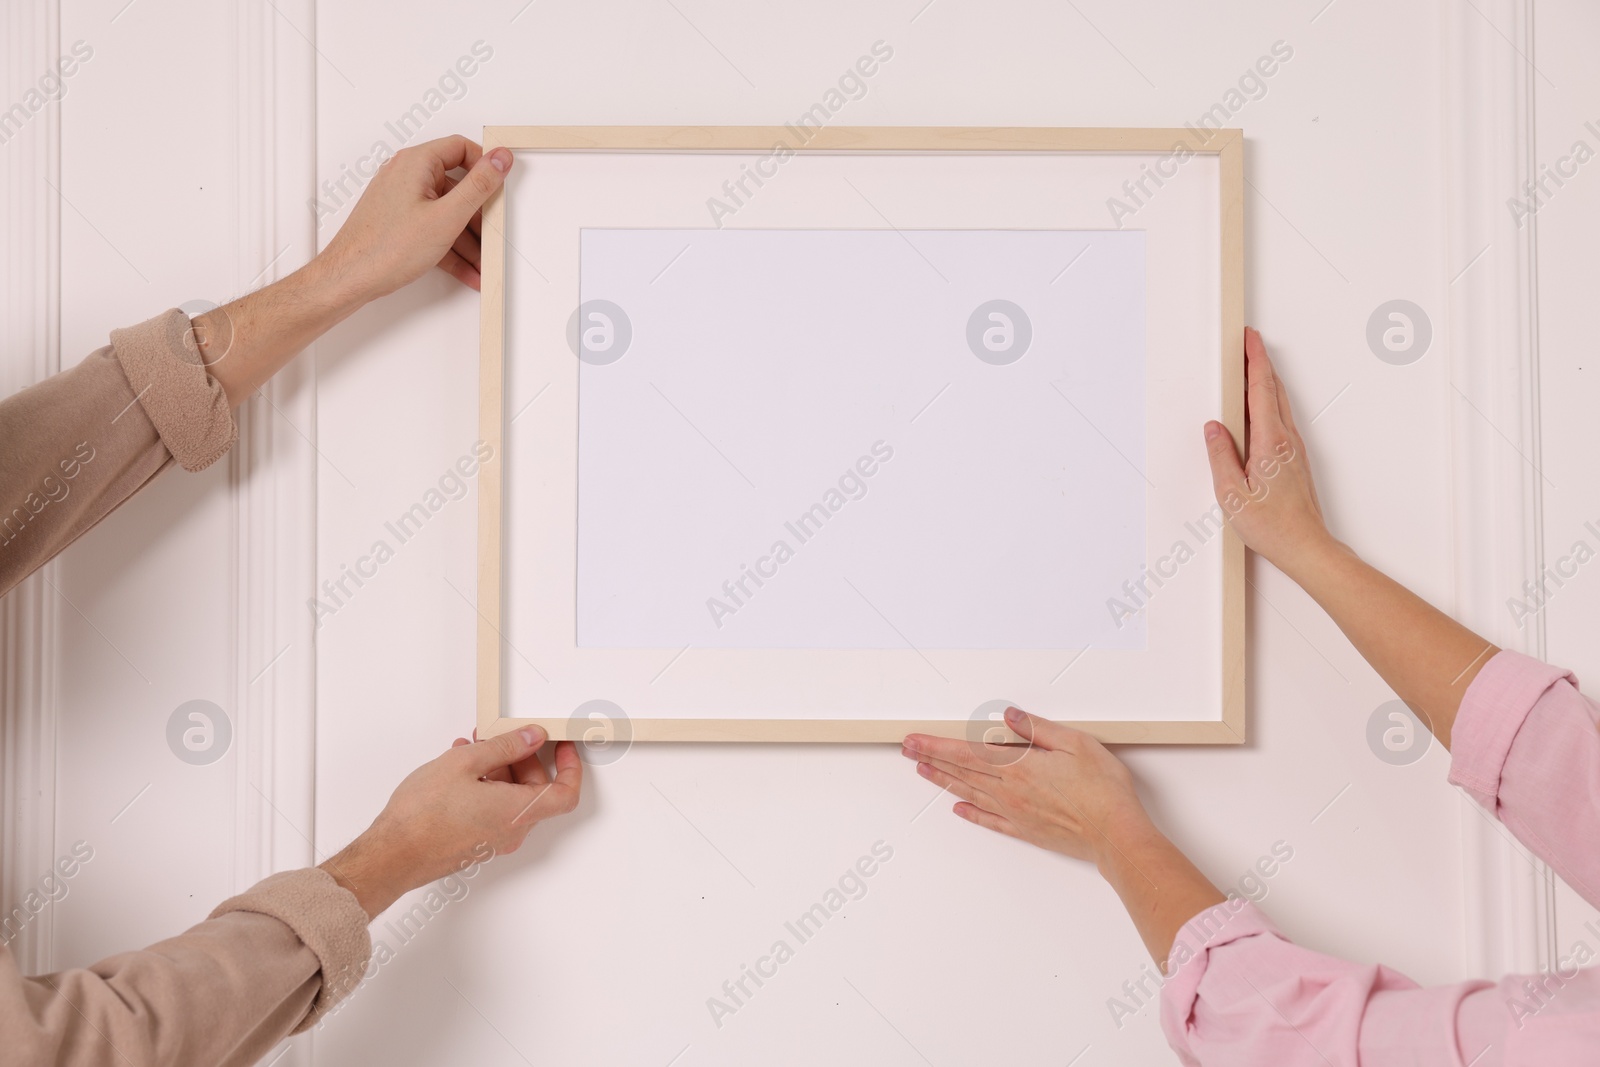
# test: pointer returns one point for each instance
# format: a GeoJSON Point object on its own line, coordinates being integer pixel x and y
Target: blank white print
{"type": "Point", "coordinates": [859, 439]}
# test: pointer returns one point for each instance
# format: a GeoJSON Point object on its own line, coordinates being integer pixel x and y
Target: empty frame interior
{"type": "Point", "coordinates": [876, 432]}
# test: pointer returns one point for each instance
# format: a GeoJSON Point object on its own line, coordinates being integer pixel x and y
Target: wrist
{"type": "Point", "coordinates": [1306, 562]}
{"type": "Point", "coordinates": [1122, 839]}
{"type": "Point", "coordinates": [331, 282]}
{"type": "Point", "coordinates": [370, 871]}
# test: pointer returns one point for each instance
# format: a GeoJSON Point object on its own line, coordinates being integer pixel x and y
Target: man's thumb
{"type": "Point", "coordinates": [502, 750]}
{"type": "Point", "coordinates": [473, 191]}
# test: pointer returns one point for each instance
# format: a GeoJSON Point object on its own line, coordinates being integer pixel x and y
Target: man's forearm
{"type": "Point", "coordinates": [1427, 658]}
{"type": "Point", "coordinates": [374, 873]}
{"type": "Point", "coordinates": [247, 341]}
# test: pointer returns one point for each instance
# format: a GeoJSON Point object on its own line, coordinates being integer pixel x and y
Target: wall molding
{"type": "Point", "coordinates": [273, 472]}
{"type": "Point", "coordinates": [273, 467]}
{"type": "Point", "coordinates": [30, 279]}
{"type": "Point", "coordinates": [1492, 327]}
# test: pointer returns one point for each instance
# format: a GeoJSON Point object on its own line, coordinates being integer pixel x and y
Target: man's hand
{"type": "Point", "coordinates": [414, 216]}
{"type": "Point", "coordinates": [440, 818]}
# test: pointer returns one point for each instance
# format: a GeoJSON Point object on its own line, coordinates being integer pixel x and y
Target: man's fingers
{"type": "Point", "coordinates": [559, 796]}
{"type": "Point", "coordinates": [462, 271]}
{"type": "Point", "coordinates": [500, 774]}
{"type": "Point", "coordinates": [468, 248]}
{"type": "Point", "coordinates": [569, 767]}
{"type": "Point", "coordinates": [530, 771]}
{"type": "Point", "coordinates": [474, 224]}
{"type": "Point", "coordinates": [501, 751]}
{"type": "Point", "coordinates": [485, 178]}
{"type": "Point", "coordinates": [452, 152]}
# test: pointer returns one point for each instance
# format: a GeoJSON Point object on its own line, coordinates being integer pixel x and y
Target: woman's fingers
{"type": "Point", "coordinates": [961, 787]}
{"type": "Point", "coordinates": [1227, 470]}
{"type": "Point", "coordinates": [975, 779]}
{"type": "Point", "coordinates": [1256, 349]}
{"type": "Point", "coordinates": [1262, 394]}
{"type": "Point", "coordinates": [1041, 732]}
{"type": "Point", "coordinates": [987, 819]}
{"type": "Point", "coordinates": [952, 750]}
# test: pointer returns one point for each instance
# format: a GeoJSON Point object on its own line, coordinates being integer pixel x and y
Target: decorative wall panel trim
{"type": "Point", "coordinates": [30, 216]}
{"type": "Point", "coordinates": [274, 472]}
{"type": "Point", "coordinates": [1492, 330]}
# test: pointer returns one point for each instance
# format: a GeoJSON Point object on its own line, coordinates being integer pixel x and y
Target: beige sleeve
{"type": "Point", "coordinates": [76, 445]}
{"type": "Point", "coordinates": [223, 992]}
{"type": "Point", "coordinates": [268, 962]}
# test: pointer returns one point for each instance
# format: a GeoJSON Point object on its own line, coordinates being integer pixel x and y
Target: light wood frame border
{"type": "Point", "coordinates": [1227, 145]}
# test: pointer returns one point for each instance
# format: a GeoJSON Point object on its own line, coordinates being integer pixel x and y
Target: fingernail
{"type": "Point", "coordinates": [500, 159]}
{"type": "Point", "coordinates": [1014, 715]}
{"type": "Point", "coordinates": [910, 745]}
{"type": "Point", "coordinates": [532, 735]}
{"type": "Point", "coordinates": [1212, 430]}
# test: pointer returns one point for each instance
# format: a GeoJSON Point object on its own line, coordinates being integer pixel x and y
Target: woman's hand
{"type": "Point", "coordinates": [413, 216]}
{"type": "Point", "coordinates": [1270, 501]}
{"type": "Point", "coordinates": [477, 796]}
{"type": "Point", "coordinates": [1065, 792]}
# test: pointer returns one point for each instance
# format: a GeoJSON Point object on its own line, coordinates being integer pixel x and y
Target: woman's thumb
{"type": "Point", "coordinates": [1227, 471]}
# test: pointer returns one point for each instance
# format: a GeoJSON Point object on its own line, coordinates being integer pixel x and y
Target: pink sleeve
{"type": "Point", "coordinates": [1241, 994]}
{"type": "Point", "coordinates": [1527, 748]}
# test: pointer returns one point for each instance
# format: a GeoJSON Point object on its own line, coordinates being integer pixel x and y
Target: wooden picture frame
{"type": "Point", "coordinates": [1226, 145]}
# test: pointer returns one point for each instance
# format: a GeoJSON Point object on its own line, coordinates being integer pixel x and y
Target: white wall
{"type": "Point", "coordinates": [1568, 222]}
{"type": "Point", "coordinates": [147, 598]}
{"type": "Point", "coordinates": [601, 941]}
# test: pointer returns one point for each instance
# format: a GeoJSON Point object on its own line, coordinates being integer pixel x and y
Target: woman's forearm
{"type": "Point", "coordinates": [1157, 884]}
{"type": "Point", "coordinates": [1425, 656]}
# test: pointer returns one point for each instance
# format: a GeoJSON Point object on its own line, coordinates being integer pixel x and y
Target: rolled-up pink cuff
{"type": "Point", "coordinates": [1212, 928]}
{"type": "Point", "coordinates": [1493, 709]}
